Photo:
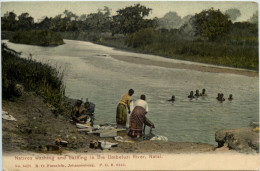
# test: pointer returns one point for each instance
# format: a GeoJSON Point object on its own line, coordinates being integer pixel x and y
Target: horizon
{"type": "Point", "coordinates": [38, 10]}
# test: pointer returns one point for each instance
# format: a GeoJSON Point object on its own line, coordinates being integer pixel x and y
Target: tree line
{"type": "Point", "coordinates": [207, 25]}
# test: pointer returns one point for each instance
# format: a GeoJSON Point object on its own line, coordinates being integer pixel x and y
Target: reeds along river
{"type": "Point", "coordinates": [91, 72]}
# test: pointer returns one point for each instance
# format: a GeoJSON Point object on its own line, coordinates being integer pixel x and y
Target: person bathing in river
{"type": "Point", "coordinates": [221, 97]}
{"type": "Point", "coordinates": [172, 99]}
{"type": "Point", "coordinates": [121, 111]}
{"type": "Point", "coordinates": [230, 98]}
{"type": "Point", "coordinates": [138, 118]}
{"type": "Point", "coordinates": [218, 97]}
{"type": "Point", "coordinates": [191, 95]}
{"type": "Point", "coordinates": [197, 94]}
{"type": "Point", "coordinates": [203, 92]}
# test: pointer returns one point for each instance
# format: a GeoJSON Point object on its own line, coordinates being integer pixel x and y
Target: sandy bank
{"type": "Point", "coordinates": [190, 66]}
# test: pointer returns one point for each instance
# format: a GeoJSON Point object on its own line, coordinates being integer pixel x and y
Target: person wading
{"type": "Point", "coordinates": [121, 113]}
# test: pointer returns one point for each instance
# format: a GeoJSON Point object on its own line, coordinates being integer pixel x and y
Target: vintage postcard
{"type": "Point", "coordinates": [130, 85]}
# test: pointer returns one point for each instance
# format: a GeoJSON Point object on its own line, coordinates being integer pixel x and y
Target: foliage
{"type": "Point", "coordinates": [254, 18]}
{"type": "Point", "coordinates": [98, 22]}
{"type": "Point", "coordinates": [131, 19]}
{"type": "Point", "coordinates": [170, 20]}
{"type": "Point", "coordinates": [44, 24]}
{"type": "Point", "coordinates": [37, 37]}
{"type": "Point", "coordinates": [34, 76]}
{"type": "Point", "coordinates": [238, 50]}
{"type": "Point", "coordinates": [25, 22]}
{"type": "Point", "coordinates": [211, 24]}
{"type": "Point", "coordinates": [233, 13]}
{"type": "Point", "coordinates": [208, 37]}
{"type": "Point", "coordinates": [64, 22]}
{"type": "Point", "coordinates": [9, 22]}
{"type": "Point", "coordinates": [141, 38]}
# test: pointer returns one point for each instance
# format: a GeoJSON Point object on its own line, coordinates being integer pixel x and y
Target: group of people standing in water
{"type": "Point", "coordinates": [197, 94]}
{"type": "Point", "coordinates": [220, 96]}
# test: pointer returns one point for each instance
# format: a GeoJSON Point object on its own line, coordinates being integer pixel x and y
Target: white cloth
{"type": "Point", "coordinates": [132, 106]}
{"type": "Point", "coordinates": [142, 103]}
{"type": "Point", "coordinates": [159, 138]}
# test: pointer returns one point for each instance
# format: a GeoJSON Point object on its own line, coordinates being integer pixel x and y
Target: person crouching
{"type": "Point", "coordinates": [138, 119]}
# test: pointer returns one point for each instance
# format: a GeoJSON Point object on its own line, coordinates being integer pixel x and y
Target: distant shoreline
{"type": "Point", "coordinates": [202, 68]}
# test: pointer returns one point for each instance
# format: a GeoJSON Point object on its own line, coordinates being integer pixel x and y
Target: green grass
{"type": "Point", "coordinates": [231, 50]}
{"type": "Point", "coordinates": [41, 78]}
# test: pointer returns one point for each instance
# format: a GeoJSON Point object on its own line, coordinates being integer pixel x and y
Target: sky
{"type": "Point", "coordinates": [39, 9]}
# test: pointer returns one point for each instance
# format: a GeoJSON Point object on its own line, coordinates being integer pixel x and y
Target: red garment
{"type": "Point", "coordinates": [136, 121]}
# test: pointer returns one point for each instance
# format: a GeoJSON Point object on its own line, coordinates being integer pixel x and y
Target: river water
{"type": "Point", "coordinates": [91, 72]}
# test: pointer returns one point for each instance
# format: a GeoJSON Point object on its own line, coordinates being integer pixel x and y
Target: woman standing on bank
{"type": "Point", "coordinates": [121, 113]}
{"type": "Point", "coordinates": [138, 119]}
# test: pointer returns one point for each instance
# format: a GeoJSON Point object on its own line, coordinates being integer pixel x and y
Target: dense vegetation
{"type": "Point", "coordinates": [37, 37]}
{"type": "Point", "coordinates": [34, 76]}
{"type": "Point", "coordinates": [210, 36]}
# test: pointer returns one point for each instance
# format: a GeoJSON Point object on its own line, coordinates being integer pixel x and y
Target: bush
{"type": "Point", "coordinates": [37, 37]}
{"type": "Point", "coordinates": [141, 38]}
{"type": "Point", "coordinates": [34, 76]}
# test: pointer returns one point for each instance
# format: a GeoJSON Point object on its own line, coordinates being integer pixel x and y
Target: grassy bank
{"type": "Point", "coordinates": [232, 51]}
{"type": "Point", "coordinates": [37, 37]}
{"type": "Point", "coordinates": [6, 35]}
{"type": "Point", "coordinates": [34, 76]}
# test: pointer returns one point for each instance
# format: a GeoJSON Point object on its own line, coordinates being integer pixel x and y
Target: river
{"type": "Point", "coordinates": [90, 72]}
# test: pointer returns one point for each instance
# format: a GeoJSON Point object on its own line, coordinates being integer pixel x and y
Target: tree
{"type": "Point", "coordinates": [56, 23]}
{"type": "Point", "coordinates": [44, 24]}
{"type": "Point", "coordinates": [254, 18]}
{"type": "Point", "coordinates": [185, 19]}
{"type": "Point", "coordinates": [99, 21]}
{"type": "Point", "coordinates": [64, 22]}
{"type": "Point", "coordinates": [25, 22]}
{"type": "Point", "coordinates": [9, 22]}
{"type": "Point", "coordinates": [131, 19]}
{"type": "Point", "coordinates": [211, 24]}
{"type": "Point", "coordinates": [170, 20]}
{"type": "Point", "coordinates": [233, 13]}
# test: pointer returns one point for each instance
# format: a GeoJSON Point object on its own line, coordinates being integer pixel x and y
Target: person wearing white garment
{"type": "Point", "coordinates": [142, 103]}
{"type": "Point", "coordinates": [138, 119]}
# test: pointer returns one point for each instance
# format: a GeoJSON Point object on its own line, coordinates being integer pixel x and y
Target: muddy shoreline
{"type": "Point", "coordinates": [195, 67]}
{"type": "Point", "coordinates": [37, 125]}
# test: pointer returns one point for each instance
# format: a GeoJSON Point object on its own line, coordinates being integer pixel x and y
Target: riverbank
{"type": "Point", "coordinates": [195, 67]}
{"type": "Point", "coordinates": [37, 125]}
{"type": "Point", "coordinates": [117, 42]}
{"type": "Point", "coordinates": [229, 53]}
